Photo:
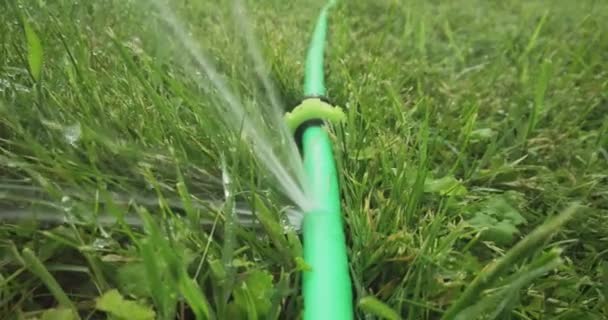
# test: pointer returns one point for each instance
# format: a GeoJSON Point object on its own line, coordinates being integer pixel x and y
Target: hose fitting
{"type": "Point", "coordinates": [313, 109]}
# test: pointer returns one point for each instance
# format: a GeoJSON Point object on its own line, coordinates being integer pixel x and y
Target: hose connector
{"type": "Point", "coordinates": [313, 109]}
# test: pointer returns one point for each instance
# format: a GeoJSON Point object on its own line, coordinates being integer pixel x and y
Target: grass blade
{"type": "Point", "coordinates": [376, 307]}
{"type": "Point", "coordinates": [521, 250]}
{"type": "Point", "coordinates": [34, 50]}
{"type": "Point", "coordinates": [37, 267]}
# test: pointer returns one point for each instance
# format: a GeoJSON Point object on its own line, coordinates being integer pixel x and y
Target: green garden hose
{"type": "Point", "coordinates": [326, 286]}
{"type": "Point", "coordinates": [314, 76]}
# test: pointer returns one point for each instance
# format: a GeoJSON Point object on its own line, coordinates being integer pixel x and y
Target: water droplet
{"type": "Point", "coordinates": [136, 46]}
{"type": "Point", "coordinates": [100, 244]}
{"type": "Point", "coordinates": [67, 205]}
{"type": "Point", "coordinates": [292, 220]}
{"type": "Point", "coordinates": [4, 84]}
{"type": "Point", "coordinates": [21, 88]}
{"type": "Point", "coordinates": [72, 134]}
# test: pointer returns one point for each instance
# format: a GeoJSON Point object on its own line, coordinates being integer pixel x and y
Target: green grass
{"type": "Point", "coordinates": [474, 168]}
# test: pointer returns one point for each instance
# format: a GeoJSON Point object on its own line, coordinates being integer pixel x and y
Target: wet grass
{"type": "Point", "coordinates": [474, 167]}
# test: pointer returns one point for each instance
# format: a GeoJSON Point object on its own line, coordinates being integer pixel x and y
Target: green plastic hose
{"type": "Point", "coordinates": [314, 77]}
{"type": "Point", "coordinates": [326, 287]}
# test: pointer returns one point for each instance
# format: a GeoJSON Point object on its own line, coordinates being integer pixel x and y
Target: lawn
{"type": "Point", "coordinates": [473, 162]}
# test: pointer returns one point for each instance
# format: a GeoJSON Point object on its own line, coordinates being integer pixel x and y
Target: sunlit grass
{"type": "Point", "coordinates": [472, 127]}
